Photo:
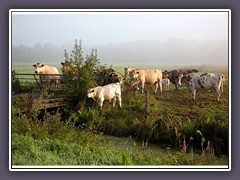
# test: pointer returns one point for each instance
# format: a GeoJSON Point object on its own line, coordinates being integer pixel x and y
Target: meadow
{"type": "Point", "coordinates": [178, 130]}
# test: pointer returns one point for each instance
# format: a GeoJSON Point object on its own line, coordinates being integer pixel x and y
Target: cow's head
{"type": "Point", "coordinates": [120, 79]}
{"type": "Point", "coordinates": [39, 68]}
{"type": "Point", "coordinates": [135, 74]}
{"type": "Point", "coordinates": [67, 66]}
{"type": "Point", "coordinates": [128, 70]}
{"type": "Point", "coordinates": [165, 74]}
{"type": "Point", "coordinates": [92, 93]}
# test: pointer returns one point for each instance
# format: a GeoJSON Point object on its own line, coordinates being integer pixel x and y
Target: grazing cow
{"type": "Point", "coordinates": [206, 81]}
{"type": "Point", "coordinates": [174, 74]}
{"type": "Point", "coordinates": [110, 92]}
{"type": "Point", "coordinates": [49, 78]}
{"type": "Point", "coordinates": [150, 76]}
{"type": "Point", "coordinates": [166, 83]}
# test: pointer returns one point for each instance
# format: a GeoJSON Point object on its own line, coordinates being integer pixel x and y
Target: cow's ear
{"type": "Point", "coordinates": [42, 65]}
{"type": "Point", "coordinates": [35, 65]}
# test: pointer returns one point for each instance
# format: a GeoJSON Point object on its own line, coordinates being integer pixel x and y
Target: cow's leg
{"type": "Point", "coordinates": [114, 101]}
{"type": "Point", "coordinates": [176, 87]}
{"type": "Point", "coordinates": [160, 86]}
{"type": "Point", "coordinates": [194, 93]}
{"type": "Point", "coordinates": [142, 86]}
{"type": "Point", "coordinates": [218, 94]}
{"type": "Point", "coordinates": [100, 104]}
{"type": "Point", "coordinates": [58, 83]}
{"type": "Point", "coordinates": [48, 84]}
{"type": "Point", "coordinates": [222, 87]}
{"type": "Point", "coordinates": [156, 87]}
{"type": "Point", "coordinates": [119, 100]}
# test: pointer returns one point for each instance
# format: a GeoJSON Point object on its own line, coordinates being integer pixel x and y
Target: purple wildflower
{"type": "Point", "coordinates": [192, 154]}
{"type": "Point", "coordinates": [146, 144]}
{"type": "Point", "coordinates": [143, 143]}
{"type": "Point", "coordinates": [184, 147]}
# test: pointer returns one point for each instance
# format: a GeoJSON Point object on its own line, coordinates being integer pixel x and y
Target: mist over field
{"type": "Point", "coordinates": [122, 37]}
{"type": "Point", "coordinates": [173, 51]}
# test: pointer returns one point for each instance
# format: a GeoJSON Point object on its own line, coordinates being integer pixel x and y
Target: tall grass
{"type": "Point", "coordinates": [56, 143]}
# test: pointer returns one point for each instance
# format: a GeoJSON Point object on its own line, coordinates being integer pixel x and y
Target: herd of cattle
{"type": "Point", "coordinates": [192, 78]}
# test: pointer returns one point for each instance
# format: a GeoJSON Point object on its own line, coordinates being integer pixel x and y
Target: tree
{"type": "Point", "coordinates": [77, 54]}
{"type": "Point", "coordinates": [82, 70]}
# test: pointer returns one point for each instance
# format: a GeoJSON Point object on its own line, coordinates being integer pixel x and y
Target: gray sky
{"type": "Point", "coordinates": [103, 30]}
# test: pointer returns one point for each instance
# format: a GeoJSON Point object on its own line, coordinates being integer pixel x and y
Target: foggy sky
{"type": "Point", "coordinates": [129, 37]}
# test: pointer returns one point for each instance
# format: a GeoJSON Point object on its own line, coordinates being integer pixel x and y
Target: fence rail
{"type": "Point", "coordinates": [28, 82]}
{"type": "Point", "coordinates": [40, 81]}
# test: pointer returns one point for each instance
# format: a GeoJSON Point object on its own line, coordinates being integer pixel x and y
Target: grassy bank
{"type": "Point", "coordinates": [55, 143]}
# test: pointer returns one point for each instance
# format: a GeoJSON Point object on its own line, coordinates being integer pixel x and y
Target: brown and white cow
{"type": "Point", "coordinates": [110, 92]}
{"type": "Point", "coordinates": [181, 77]}
{"type": "Point", "coordinates": [46, 74]}
{"type": "Point", "coordinates": [149, 76]}
{"type": "Point", "coordinates": [173, 75]}
{"type": "Point", "coordinates": [208, 81]}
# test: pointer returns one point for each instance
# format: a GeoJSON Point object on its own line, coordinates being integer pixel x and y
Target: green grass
{"type": "Point", "coordinates": [85, 148]}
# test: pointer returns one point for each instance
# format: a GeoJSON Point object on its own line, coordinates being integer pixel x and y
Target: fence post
{"type": "Point", "coordinates": [39, 84]}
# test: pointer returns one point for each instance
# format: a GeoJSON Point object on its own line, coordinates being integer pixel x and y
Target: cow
{"type": "Point", "coordinates": [208, 81]}
{"type": "Point", "coordinates": [166, 83]}
{"type": "Point", "coordinates": [181, 76]}
{"type": "Point", "coordinates": [149, 76]}
{"type": "Point", "coordinates": [112, 78]}
{"type": "Point", "coordinates": [46, 74]}
{"type": "Point", "coordinates": [128, 71]}
{"type": "Point", "coordinates": [110, 92]}
{"type": "Point", "coordinates": [173, 75]}
{"type": "Point", "coordinates": [70, 69]}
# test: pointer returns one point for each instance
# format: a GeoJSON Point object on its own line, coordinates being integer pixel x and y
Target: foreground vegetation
{"type": "Point", "coordinates": [53, 142]}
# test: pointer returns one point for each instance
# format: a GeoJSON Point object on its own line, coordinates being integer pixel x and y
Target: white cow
{"type": "Point", "coordinates": [206, 81]}
{"type": "Point", "coordinates": [166, 83]}
{"type": "Point", "coordinates": [49, 78]}
{"type": "Point", "coordinates": [110, 92]}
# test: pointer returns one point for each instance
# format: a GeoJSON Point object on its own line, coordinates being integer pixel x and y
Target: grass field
{"type": "Point", "coordinates": [172, 117]}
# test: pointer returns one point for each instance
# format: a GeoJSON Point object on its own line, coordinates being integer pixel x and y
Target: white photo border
{"type": "Point", "coordinates": [115, 168]}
